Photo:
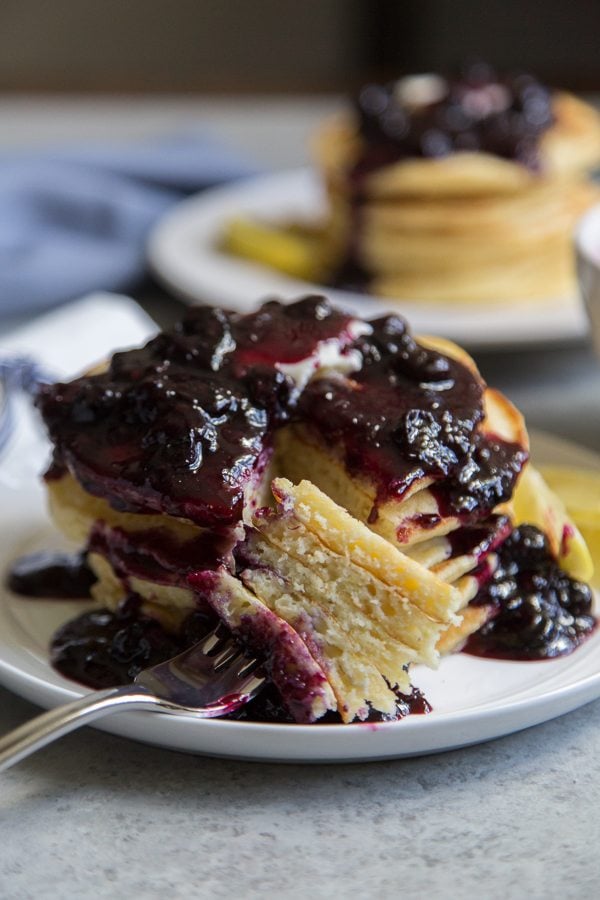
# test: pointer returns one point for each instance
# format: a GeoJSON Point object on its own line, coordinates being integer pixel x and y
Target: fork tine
{"type": "Point", "coordinates": [215, 673]}
{"type": "Point", "coordinates": [227, 656]}
{"type": "Point", "coordinates": [211, 641]}
{"type": "Point", "coordinates": [236, 690]}
{"type": "Point", "coordinates": [250, 666]}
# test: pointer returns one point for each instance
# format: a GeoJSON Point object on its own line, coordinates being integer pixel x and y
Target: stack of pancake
{"type": "Point", "coordinates": [459, 190]}
{"type": "Point", "coordinates": [390, 467]}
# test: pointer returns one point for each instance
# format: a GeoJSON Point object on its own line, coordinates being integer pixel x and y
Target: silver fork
{"type": "Point", "coordinates": [212, 678]}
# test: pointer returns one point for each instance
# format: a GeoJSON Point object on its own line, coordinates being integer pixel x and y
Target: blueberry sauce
{"type": "Point", "coordinates": [537, 610]}
{"type": "Point", "coordinates": [412, 413]}
{"type": "Point", "coordinates": [478, 111]}
{"type": "Point", "coordinates": [413, 704]}
{"type": "Point", "coordinates": [481, 539]}
{"type": "Point", "coordinates": [267, 707]}
{"type": "Point", "coordinates": [486, 477]}
{"type": "Point", "coordinates": [51, 575]}
{"type": "Point", "coordinates": [179, 425]}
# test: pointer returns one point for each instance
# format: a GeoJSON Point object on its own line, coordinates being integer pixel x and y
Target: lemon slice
{"type": "Point", "coordinates": [579, 490]}
{"type": "Point", "coordinates": [288, 249]}
{"type": "Point", "coordinates": [542, 504]}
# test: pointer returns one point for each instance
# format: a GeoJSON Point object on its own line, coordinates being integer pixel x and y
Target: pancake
{"type": "Point", "coordinates": [335, 492]}
{"type": "Point", "coordinates": [464, 193]}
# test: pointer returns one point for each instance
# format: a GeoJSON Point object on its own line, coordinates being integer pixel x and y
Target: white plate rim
{"type": "Point", "coordinates": [182, 254]}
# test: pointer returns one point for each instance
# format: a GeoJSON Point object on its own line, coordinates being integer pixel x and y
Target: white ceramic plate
{"type": "Point", "coordinates": [473, 699]}
{"type": "Point", "coordinates": [183, 253]}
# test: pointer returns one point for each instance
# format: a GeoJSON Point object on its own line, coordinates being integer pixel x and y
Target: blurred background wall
{"type": "Point", "coordinates": [218, 46]}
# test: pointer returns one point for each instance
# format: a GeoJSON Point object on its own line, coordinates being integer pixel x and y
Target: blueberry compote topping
{"type": "Point", "coordinates": [179, 425]}
{"type": "Point", "coordinates": [411, 413]}
{"type": "Point", "coordinates": [538, 611]}
{"type": "Point", "coordinates": [432, 116]}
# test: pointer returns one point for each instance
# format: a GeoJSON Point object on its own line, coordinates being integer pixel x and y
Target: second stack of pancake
{"type": "Point", "coordinates": [459, 191]}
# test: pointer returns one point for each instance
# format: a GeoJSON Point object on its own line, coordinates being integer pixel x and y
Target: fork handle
{"type": "Point", "coordinates": [51, 725]}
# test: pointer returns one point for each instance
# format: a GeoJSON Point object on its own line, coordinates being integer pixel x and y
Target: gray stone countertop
{"type": "Point", "coordinates": [96, 816]}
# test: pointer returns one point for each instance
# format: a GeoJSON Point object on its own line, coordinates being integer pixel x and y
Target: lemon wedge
{"type": "Point", "coordinates": [289, 249]}
{"type": "Point", "coordinates": [579, 490]}
{"type": "Point", "coordinates": [542, 504]}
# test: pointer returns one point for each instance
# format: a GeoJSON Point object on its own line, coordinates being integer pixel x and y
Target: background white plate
{"type": "Point", "coordinates": [183, 253]}
{"type": "Point", "coordinates": [473, 699]}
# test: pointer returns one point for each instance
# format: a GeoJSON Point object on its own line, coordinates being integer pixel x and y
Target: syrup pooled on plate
{"type": "Point", "coordinates": [52, 575]}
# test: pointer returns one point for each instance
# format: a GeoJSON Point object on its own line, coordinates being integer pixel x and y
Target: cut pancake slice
{"type": "Point", "coordinates": [295, 671]}
{"type": "Point", "coordinates": [338, 612]}
{"type": "Point", "coordinates": [357, 680]}
{"type": "Point", "coordinates": [343, 535]}
{"type": "Point", "coordinates": [365, 609]}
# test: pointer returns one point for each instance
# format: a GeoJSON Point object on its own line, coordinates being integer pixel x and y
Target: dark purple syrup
{"type": "Point", "coordinates": [538, 611]}
{"type": "Point", "coordinates": [481, 539]}
{"type": "Point", "coordinates": [411, 413]}
{"type": "Point", "coordinates": [52, 575]}
{"type": "Point", "coordinates": [267, 707]}
{"type": "Point", "coordinates": [103, 649]}
{"type": "Point", "coordinates": [179, 426]}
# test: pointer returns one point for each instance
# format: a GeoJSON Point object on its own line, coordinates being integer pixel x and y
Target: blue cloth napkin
{"type": "Point", "coordinates": [74, 220]}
